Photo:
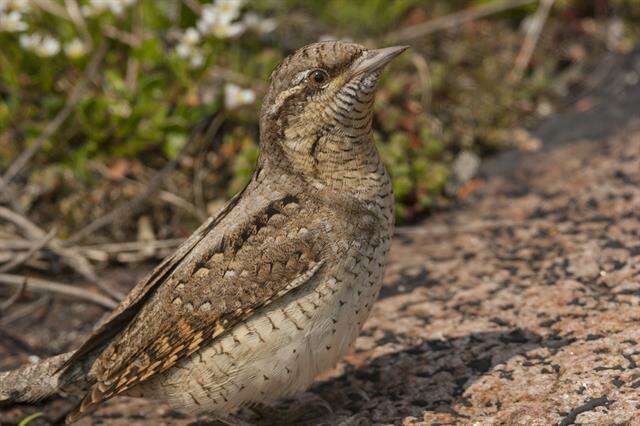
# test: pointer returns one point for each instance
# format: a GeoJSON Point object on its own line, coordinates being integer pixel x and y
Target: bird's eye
{"type": "Point", "coordinates": [318, 77]}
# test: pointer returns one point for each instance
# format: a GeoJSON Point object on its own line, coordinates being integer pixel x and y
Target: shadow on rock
{"type": "Point", "coordinates": [432, 376]}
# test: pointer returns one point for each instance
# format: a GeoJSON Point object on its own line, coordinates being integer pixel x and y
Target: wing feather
{"type": "Point", "coordinates": [272, 254]}
{"type": "Point", "coordinates": [131, 304]}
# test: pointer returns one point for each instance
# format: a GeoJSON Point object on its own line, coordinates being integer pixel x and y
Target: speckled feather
{"type": "Point", "coordinates": [318, 213]}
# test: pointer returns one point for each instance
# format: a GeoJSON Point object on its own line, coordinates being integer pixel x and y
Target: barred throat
{"type": "Point", "coordinates": [332, 143]}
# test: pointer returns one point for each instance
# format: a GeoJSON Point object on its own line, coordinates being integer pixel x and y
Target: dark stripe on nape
{"type": "Point", "coordinates": [319, 49]}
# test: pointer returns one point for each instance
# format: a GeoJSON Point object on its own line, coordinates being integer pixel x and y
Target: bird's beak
{"type": "Point", "coordinates": [373, 60]}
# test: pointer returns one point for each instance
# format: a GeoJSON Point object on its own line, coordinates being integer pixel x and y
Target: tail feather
{"type": "Point", "coordinates": [88, 405]}
{"type": "Point", "coordinates": [32, 382]}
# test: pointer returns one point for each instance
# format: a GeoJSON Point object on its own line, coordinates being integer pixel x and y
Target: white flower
{"type": "Point", "coordinates": [227, 10]}
{"type": "Point", "coordinates": [191, 36]}
{"type": "Point", "coordinates": [121, 109]}
{"type": "Point", "coordinates": [231, 7]}
{"type": "Point", "coordinates": [228, 31]}
{"type": "Point", "coordinates": [259, 24]}
{"type": "Point", "coordinates": [187, 48]}
{"type": "Point", "coordinates": [183, 50]}
{"type": "Point", "coordinates": [12, 22]}
{"type": "Point", "coordinates": [197, 59]}
{"type": "Point", "coordinates": [75, 48]}
{"type": "Point", "coordinates": [235, 96]}
{"type": "Point", "coordinates": [42, 45]}
{"type": "Point", "coordinates": [217, 19]}
{"type": "Point", "coordinates": [18, 5]}
{"type": "Point", "coordinates": [96, 7]}
{"type": "Point", "coordinates": [48, 46]}
{"type": "Point", "coordinates": [29, 41]}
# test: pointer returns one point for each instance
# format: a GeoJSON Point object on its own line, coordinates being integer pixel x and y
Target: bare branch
{"type": "Point", "coordinates": [454, 19]}
{"type": "Point", "coordinates": [70, 256]}
{"type": "Point", "coordinates": [37, 246]}
{"type": "Point", "coordinates": [15, 244]}
{"type": "Point", "coordinates": [13, 298]}
{"type": "Point", "coordinates": [51, 7]}
{"type": "Point", "coordinates": [46, 286]}
{"type": "Point", "coordinates": [75, 14]}
{"type": "Point", "coordinates": [130, 39]}
{"type": "Point", "coordinates": [114, 248]}
{"type": "Point", "coordinates": [31, 230]}
{"type": "Point", "coordinates": [194, 6]}
{"type": "Point", "coordinates": [24, 310]}
{"type": "Point", "coordinates": [531, 40]}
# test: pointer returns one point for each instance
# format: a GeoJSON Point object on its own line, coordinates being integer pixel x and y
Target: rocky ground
{"type": "Point", "coordinates": [519, 306]}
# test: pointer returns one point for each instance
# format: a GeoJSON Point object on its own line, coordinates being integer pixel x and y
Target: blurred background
{"type": "Point", "coordinates": [151, 106]}
{"type": "Point", "coordinates": [134, 120]}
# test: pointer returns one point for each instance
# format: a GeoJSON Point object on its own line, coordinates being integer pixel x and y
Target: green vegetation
{"type": "Point", "coordinates": [162, 68]}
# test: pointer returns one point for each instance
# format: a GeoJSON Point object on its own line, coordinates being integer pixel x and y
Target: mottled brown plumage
{"type": "Point", "coordinates": [275, 288]}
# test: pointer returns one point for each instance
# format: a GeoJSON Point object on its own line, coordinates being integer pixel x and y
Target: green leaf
{"type": "Point", "coordinates": [29, 418]}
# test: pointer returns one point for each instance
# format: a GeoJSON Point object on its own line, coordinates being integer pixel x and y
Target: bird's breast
{"type": "Point", "coordinates": [283, 347]}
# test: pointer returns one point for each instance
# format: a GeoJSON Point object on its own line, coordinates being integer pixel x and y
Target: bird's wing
{"type": "Point", "coordinates": [131, 304]}
{"type": "Point", "coordinates": [273, 252]}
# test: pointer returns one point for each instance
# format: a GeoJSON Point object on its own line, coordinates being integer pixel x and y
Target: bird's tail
{"type": "Point", "coordinates": [32, 382]}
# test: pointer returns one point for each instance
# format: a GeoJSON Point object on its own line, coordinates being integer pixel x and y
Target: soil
{"type": "Point", "coordinates": [521, 305]}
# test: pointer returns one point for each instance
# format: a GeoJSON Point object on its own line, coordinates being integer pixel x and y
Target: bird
{"type": "Point", "coordinates": [275, 288]}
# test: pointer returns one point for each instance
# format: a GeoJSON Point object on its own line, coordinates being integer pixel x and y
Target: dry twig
{"type": "Point", "coordinates": [130, 39]}
{"type": "Point", "coordinates": [75, 15]}
{"type": "Point", "coordinates": [24, 311]}
{"type": "Point", "coordinates": [13, 298]}
{"type": "Point", "coordinates": [22, 258]}
{"type": "Point", "coordinates": [71, 257]}
{"type": "Point", "coordinates": [531, 40]}
{"type": "Point", "coordinates": [454, 19]}
{"type": "Point", "coordinates": [129, 251]}
{"type": "Point", "coordinates": [193, 5]}
{"type": "Point", "coordinates": [17, 244]}
{"type": "Point", "coordinates": [46, 286]}
{"type": "Point", "coordinates": [51, 7]}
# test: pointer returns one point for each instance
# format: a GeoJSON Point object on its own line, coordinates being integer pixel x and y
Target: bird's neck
{"type": "Point", "coordinates": [346, 164]}
{"type": "Point", "coordinates": [337, 155]}
{"type": "Point", "coordinates": [349, 164]}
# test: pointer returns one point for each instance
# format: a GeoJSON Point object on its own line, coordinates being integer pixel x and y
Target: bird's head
{"type": "Point", "coordinates": [319, 103]}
